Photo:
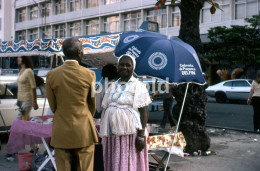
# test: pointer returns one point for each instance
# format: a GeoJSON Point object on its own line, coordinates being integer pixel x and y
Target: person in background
{"type": "Point", "coordinates": [71, 94]}
{"type": "Point", "coordinates": [109, 74]}
{"type": "Point", "coordinates": [167, 105]}
{"type": "Point", "coordinates": [26, 86]}
{"type": "Point", "coordinates": [123, 121]}
{"type": "Point", "coordinates": [255, 95]}
{"type": "Point", "coordinates": [26, 95]}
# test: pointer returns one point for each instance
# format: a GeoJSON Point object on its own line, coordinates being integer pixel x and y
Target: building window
{"type": "Point", "coordinates": [60, 7]}
{"type": "Point", "coordinates": [46, 32]}
{"type": "Point", "coordinates": [75, 29]}
{"type": "Point", "coordinates": [21, 15]}
{"type": "Point", "coordinates": [33, 12]}
{"type": "Point", "coordinates": [245, 8]}
{"type": "Point", "coordinates": [111, 24]}
{"type": "Point", "coordinates": [132, 21]}
{"type": "Point", "coordinates": [21, 35]}
{"type": "Point", "coordinates": [207, 17]}
{"type": "Point", "coordinates": [159, 16]}
{"type": "Point", "coordinates": [60, 31]}
{"type": "Point", "coordinates": [74, 5]}
{"type": "Point", "coordinates": [33, 34]}
{"type": "Point", "coordinates": [45, 9]}
{"type": "Point", "coordinates": [106, 2]}
{"type": "Point", "coordinates": [91, 3]}
{"type": "Point", "coordinates": [92, 27]}
{"type": "Point", "coordinates": [176, 17]}
{"type": "Point", "coordinates": [225, 14]}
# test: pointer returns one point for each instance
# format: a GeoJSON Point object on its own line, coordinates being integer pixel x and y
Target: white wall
{"type": "Point", "coordinates": [7, 20]}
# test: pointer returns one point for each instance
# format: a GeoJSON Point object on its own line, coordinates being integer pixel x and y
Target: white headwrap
{"type": "Point", "coordinates": [132, 58]}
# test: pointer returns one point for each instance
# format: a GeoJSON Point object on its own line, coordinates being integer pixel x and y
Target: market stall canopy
{"type": "Point", "coordinates": [48, 47]}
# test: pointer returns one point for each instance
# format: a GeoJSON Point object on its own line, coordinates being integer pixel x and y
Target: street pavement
{"type": "Point", "coordinates": [231, 150]}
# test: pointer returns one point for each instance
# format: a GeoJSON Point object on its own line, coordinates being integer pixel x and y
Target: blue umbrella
{"type": "Point", "coordinates": [159, 56]}
{"type": "Point", "coordinates": [156, 55]}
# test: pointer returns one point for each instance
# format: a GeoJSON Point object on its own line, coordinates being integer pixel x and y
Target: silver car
{"type": "Point", "coordinates": [231, 90]}
{"type": "Point", "coordinates": [8, 99]}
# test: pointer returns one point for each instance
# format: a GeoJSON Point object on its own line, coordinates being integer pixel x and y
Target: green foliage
{"type": "Point", "coordinates": [238, 45]}
{"type": "Point", "coordinates": [254, 21]}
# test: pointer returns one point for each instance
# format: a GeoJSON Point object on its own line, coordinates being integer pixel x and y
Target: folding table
{"type": "Point", "coordinates": [163, 143]}
{"type": "Point", "coordinates": [28, 133]}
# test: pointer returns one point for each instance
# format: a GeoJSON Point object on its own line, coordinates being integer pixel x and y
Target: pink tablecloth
{"type": "Point", "coordinates": [27, 133]}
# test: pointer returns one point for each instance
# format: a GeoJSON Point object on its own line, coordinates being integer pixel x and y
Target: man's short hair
{"type": "Point", "coordinates": [71, 47]}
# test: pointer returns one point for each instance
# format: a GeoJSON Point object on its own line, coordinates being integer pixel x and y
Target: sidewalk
{"type": "Point", "coordinates": [234, 151]}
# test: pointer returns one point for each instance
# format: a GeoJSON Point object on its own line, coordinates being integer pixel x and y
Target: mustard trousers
{"type": "Point", "coordinates": [80, 159]}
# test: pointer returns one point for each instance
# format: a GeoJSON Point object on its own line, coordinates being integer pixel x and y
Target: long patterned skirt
{"type": "Point", "coordinates": [120, 154]}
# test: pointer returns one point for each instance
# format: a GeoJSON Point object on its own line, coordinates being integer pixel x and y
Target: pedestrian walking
{"type": "Point", "coordinates": [254, 96]}
{"type": "Point", "coordinates": [167, 105]}
{"type": "Point", "coordinates": [26, 95]}
{"type": "Point", "coordinates": [69, 92]}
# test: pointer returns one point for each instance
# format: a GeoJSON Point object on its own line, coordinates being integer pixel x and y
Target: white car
{"type": "Point", "coordinates": [8, 98]}
{"type": "Point", "coordinates": [237, 89]}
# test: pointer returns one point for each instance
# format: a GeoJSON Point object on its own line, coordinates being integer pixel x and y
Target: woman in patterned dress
{"type": "Point", "coordinates": [124, 120]}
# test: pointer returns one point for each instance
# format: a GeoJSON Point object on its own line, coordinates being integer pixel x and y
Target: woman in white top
{"type": "Point", "coordinates": [255, 95]}
{"type": "Point", "coordinates": [124, 120]}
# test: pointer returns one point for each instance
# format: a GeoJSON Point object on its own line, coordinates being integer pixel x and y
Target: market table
{"type": "Point", "coordinates": [28, 133]}
{"type": "Point", "coordinates": [163, 143]}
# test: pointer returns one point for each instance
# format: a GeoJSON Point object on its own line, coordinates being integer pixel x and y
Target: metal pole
{"type": "Point", "coordinates": [177, 125]}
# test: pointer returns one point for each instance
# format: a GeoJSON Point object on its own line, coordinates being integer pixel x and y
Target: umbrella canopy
{"type": "Point", "coordinates": [156, 55]}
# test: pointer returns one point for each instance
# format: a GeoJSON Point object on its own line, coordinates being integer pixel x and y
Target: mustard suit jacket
{"type": "Point", "coordinates": [69, 90]}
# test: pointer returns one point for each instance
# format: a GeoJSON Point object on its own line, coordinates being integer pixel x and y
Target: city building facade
{"type": "Point", "coordinates": [7, 24]}
{"type": "Point", "coordinates": [67, 18]}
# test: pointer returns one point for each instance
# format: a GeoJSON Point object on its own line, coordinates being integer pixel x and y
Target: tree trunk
{"type": "Point", "coordinates": [193, 117]}
{"type": "Point", "coordinates": [190, 17]}
{"type": "Point", "coordinates": [194, 112]}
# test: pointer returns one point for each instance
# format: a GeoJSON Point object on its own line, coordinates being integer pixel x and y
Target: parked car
{"type": "Point", "coordinates": [237, 89]}
{"type": "Point", "coordinates": [8, 98]}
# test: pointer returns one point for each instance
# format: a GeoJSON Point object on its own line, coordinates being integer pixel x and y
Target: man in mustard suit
{"type": "Point", "coordinates": [70, 92]}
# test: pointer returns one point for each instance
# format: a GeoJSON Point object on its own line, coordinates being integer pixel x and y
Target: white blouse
{"type": "Point", "coordinates": [120, 103]}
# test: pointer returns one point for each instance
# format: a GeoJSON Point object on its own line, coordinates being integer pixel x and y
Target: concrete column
{"type": "Point", "coordinates": [101, 24]}
{"type": "Point", "coordinates": [232, 9]}
{"type": "Point", "coordinates": [52, 8]}
{"type": "Point", "coordinates": [67, 30]}
{"type": "Point", "coordinates": [39, 33]}
{"type": "Point", "coordinates": [169, 18]}
{"type": "Point", "coordinates": [51, 34]}
{"type": "Point", "coordinates": [27, 34]}
{"type": "Point", "coordinates": [82, 28]}
{"type": "Point", "coordinates": [27, 16]}
{"type": "Point", "coordinates": [51, 11]}
{"type": "Point", "coordinates": [121, 22]}
{"type": "Point", "coordinates": [143, 15]}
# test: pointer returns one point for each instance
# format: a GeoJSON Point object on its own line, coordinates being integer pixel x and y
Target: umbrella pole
{"type": "Point", "coordinates": [177, 127]}
{"type": "Point", "coordinates": [44, 105]}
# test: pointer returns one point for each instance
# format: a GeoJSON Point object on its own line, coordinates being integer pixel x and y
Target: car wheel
{"type": "Point", "coordinates": [221, 97]}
